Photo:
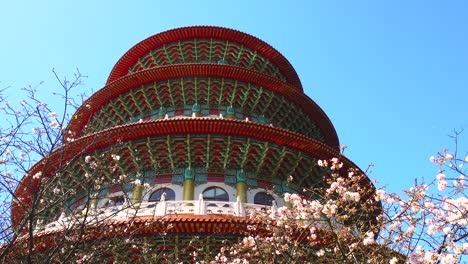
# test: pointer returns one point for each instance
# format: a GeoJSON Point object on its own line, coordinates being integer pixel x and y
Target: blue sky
{"type": "Point", "coordinates": [391, 75]}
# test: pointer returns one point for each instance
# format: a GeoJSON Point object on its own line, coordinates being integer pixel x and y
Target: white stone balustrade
{"type": "Point", "coordinates": [154, 209]}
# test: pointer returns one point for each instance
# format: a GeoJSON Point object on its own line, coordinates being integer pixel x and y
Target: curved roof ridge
{"type": "Point", "coordinates": [120, 69]}
{"type": "Point", "coordinates": [84, 112]}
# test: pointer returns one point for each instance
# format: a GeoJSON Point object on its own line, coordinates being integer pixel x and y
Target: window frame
{"type": "Point", "coordinates": [164, 190]}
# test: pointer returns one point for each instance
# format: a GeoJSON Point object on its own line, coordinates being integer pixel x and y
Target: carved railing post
{"type": "Point", "coordinates": [239, 208]}
{"type": "Point", "coordinates": [200, 207]}
{"type": "Point", "coordinates": [161, 206]}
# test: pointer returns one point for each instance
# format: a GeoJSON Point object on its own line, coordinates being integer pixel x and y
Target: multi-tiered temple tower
{"type": "Point", "coordinates": [197, 126]}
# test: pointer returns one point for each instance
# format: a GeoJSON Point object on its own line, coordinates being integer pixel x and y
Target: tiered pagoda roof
{"type": "Point", "coordinates": [211, 99]}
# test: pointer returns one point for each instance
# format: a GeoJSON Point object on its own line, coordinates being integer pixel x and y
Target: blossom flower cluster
{"type": "Point", "coordinates": [298, 229]}
{"type": "Point", "coordinates": [427, 224]}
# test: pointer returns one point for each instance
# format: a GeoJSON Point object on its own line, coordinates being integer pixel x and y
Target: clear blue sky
{"type": "Point", "coordinates": [391, 75]}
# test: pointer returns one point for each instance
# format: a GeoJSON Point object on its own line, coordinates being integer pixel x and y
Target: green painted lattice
{"type": "Point", "coordinates": [256, 103]}
{"type": "Point", "coordinates": [206, 51]}
{"type": "Point", "coordinates": [205, 153]}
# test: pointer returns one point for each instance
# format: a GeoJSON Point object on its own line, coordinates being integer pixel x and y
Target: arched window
{"type": "Point", "coordinates": [156, 195]}
{"type": "Point", "coordinates": [263, 198]}
{"type": "Point", "coordinates": [215, 194]}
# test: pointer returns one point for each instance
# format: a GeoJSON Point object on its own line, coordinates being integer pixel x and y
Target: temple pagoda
{"type": "Point", "coordinates": [196, 128]}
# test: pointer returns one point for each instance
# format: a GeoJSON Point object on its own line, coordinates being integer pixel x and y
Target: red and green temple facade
{"type": "Point", "coordinates": [191, 113]}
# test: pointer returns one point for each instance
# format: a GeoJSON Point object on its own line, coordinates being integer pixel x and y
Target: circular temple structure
{"type": "Point", "coordinates": [196, 128]}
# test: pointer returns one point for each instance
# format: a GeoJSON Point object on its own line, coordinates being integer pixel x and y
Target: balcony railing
{"type": "Point", "coordinates": [155, 209]}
